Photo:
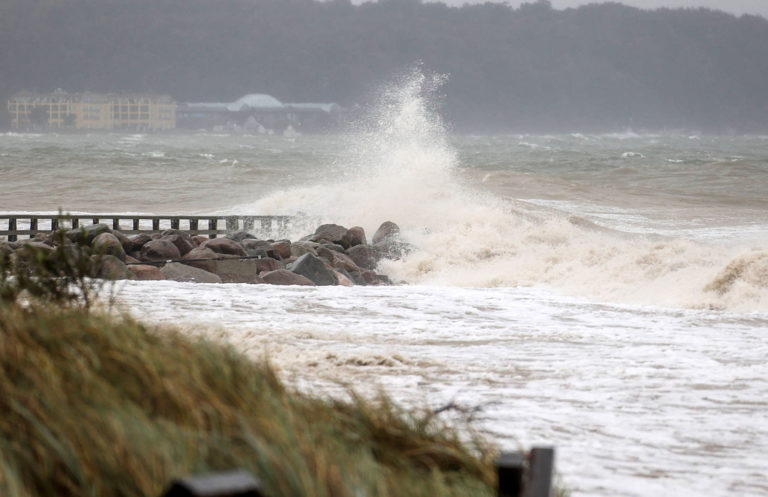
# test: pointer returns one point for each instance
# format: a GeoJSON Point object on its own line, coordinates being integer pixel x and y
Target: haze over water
{"type": "Point", "coordinates": [604, 294]}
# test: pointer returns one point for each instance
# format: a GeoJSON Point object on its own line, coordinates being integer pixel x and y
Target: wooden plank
{"type": "Point", "coordinates": [510, 469]}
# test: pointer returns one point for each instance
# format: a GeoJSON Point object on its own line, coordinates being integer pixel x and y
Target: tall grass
{"type": "Point", "coordinates": [92, 405]}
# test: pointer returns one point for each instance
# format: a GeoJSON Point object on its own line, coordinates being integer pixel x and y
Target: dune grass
{"type": "Point", "coordinates": [95, 405]}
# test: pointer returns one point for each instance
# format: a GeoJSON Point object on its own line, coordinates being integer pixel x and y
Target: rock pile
{"type": "Point", "coordinates": [332, 255]}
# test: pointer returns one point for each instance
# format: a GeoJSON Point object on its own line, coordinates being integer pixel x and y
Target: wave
{"type": "Point", "coordinates": [401, 168]}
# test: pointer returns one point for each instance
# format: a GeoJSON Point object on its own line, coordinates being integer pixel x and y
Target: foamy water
{"type": "Point", "coordinates": [605, 294]}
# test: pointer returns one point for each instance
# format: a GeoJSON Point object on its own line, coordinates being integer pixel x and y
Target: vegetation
{"type": "Point", "coordinates": [599, 67]}
{"type": "Point", "coordinates": [95, 405]}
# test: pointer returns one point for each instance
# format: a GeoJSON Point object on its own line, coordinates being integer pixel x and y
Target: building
{"type": "Point", "coordinates": [91, 111]}
{"type": "Point", "coordinates": [259, 112]}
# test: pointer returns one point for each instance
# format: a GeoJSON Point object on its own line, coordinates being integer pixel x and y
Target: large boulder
{"type": "Point", "coordinates": [340, 260]}
{"type": "Point", "coordinates": [355, 236]}
{"type": "Point", "coordinates": [300, 248]}
{"type": "Point", "coordinates": [86, 234]}
{"type": "Point", "coordinates": [387, 231]}
{"type": "Point", "coordinates": [283, 248]}
{"type": "Point", "coordinates": [285, 277]}
{"type": "Point", "coordinates": [145, 272]}
{"type": "Point", "coordinates": [342, 279]}
{"type": "Point", "coordinates": [108, 244]}
{"type": "Point", "coordinates": [108, 267]}
{"type": "Point", "coordinates": [181, 272]}
{"type": "Point", "coordinates": [254, 247]}
{"type": "Point", "coordinates": [243, 270]}
{"type": "Point", "coordinates": [135, 242]}
{"type": "Point", "coordinates": [159, 250]}
{"type": "Point", "coordinates": [330, 233]}
{"type": "Point", "coordinates": [201, 258]}
{"type": "Point", "coordinates": [225, 246]}
{"type": "Point", "coordinates": [364, 256]}
{"type": "Point", "coordinates": [183, 243]}
{"type": "Point", "coordinates": [240, 236]}
{"type": "Point", "coordinates": [313, 268]}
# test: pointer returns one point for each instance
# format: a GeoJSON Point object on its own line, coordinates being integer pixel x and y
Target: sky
{"type": "Point", "coordinates": [738, 7]}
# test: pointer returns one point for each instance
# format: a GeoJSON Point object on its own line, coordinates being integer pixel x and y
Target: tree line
{"type": "Point", "coordinates": [599, 67]}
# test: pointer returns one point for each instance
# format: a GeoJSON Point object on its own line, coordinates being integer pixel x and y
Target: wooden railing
{"type": "Point", "coordinates": [15, 226]}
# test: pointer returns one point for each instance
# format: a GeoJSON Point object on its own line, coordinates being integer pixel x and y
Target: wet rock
{"type": "Point", "coordinates": [86, 234]}
{"type": "Point", "coordinates": [145, 272]}
{"type": "Point", "coordinates": [264, 248]}
{"type": "Point", "coordinates": [387, 231]}
{"type": "Point", "coordinates": [313, 268]}
{"type": "Point", "coordinates": [192, 259]}
{"type": "Point", "coordinates": [108, 244]}
{"type": "Point", "coordinates": [135, 242]}
{"type": "Point", "coordinates": [300, 248]}
{"type": "Point", "coordinates": [198, 240]}
{"type": "Point", "coordinates": [355, 236]}
{"type": "Point", "coordinates": [286, 277]}
{"type": "Point", "coordinates": [182, 243]}
{"type": "Point", "coordinates": [108, 267]}
{"type": "Point", "coordinates": [332, 233]}
{"type": "Point", "coordinates": [239, 236]}
{"type": "Point", "coordinates": [159, 250]}
{"type": "Point", "coordinates": [342, 279]}
{"type": "Point", "coordinates": [243, 270]}
{"type": "Point", "coordinates": [225, 246]}
{"type": "Point", "coordinates": [364, 256]}
{"type": "Point", "coordinates": [283, 248]}
{"type": "Point", "coordinates": [181, 272]}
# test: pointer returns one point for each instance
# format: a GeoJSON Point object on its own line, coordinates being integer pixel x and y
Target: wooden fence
{"type": "Point", "coordinates": [16, 226]}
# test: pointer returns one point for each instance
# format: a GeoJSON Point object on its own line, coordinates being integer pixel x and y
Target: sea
{"type": "Point", "coordinates": [604, 294]}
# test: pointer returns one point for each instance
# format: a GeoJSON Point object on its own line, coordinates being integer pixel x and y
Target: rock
{"type": "Point", "coordinates": [371, 278]}
{"type": "Point", "coordinates": [182, 243]}
{"type": "Point", "coordinates": [300, 248]}
{"type": "Point", "coordinates": [342, 261]}
{"type": "Point", "coordinates": [254, 247]}
{"type": "Point", "coordinates": [364, 256]}
{"type": "Point", "coordinates": [285, 277]}
{"type": "Point", "coordinates": [159, 250]}
{"type": "Point", "coordinates": [387, 231]}
{"type": "Point", "coordinates": [135, 242]}
{"type": "Point", "coordinates": [108, 267]}
{"type": "Point", "coordinates": [313, 268]}
{"type": "Point", "coordinates": [108, 244]}
{"type": "Point", "coordinates": [201, 253]}
{"type": "Point", "coordinates": [330, 232]}
{"type": "Point", "coordinates": [355, 236]}
{"type": "Point", "coordinates": [30, 246]}
{"type": "Point", "coordinates": [243, 270]}
{"type": "Point", "coordinates": [131, 260]}
{"type": "Point", "coordinates": [87, 234]}
{"type": "Point", "coordinates": [357, 277]}
{"type": "Point", "coordinates": [198, 240]}
{"type": "Point", "coordinates": [342, 279]}
{"type": "Point", "coordinates": [181, 272]}
{"type": "Point", "coordinates": [333, 246]}
{"type": "Point", "coordinates": [224, 246]}
{"type": "Point", "coordinates": [239, 236]}
{"type": "Point", "coordinates": [120, 236]}
{"type": "Point", "coordinates": [283, 248]}
{"type": "Point", "coordinates": [145, 272]}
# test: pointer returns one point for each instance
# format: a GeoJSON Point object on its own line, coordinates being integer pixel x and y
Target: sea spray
{"type": "Point", "coordinates": [401, 167]}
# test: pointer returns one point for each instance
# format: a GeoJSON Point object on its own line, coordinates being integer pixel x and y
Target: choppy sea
{"type": "Point", "coordinates": [605, 294]}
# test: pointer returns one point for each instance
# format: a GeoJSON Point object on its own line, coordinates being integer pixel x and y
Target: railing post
{"type": "Point", "coordinates": [32, 226]}
{"type": "Point", "coordinates": [174, 223]}
{"type": "Point", "coordinates": [510, 468]}
{"type": "Point", "coordinates": [12, 227]}
{"type": "Point", "coordinates": [135, 224]}
{"type": "Point", "coordinates": [75, 223]}
{"type": "Point", "coordinates": [232, 224]}
{"type": "Point", "coordinates": [156, 223]}
{"type": "Point", "coordinates": [116, 224]}
{"type": "Point", "coordinates": [54, 223]}
{"type": "Point", "coordinates": [193, 226]}
{"type": "Point", "coordinates": [213, 224]}
{"type": "Point", "coordinates": [541, 467]}
{"type": "Point", "coordinates": [248, 224]}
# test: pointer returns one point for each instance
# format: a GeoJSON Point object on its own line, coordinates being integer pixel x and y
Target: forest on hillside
{"type": "Point", "coordinates": [600, 67]}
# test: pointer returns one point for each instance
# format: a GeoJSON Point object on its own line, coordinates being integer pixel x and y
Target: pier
{"type": "Point", "coordinates": [17, 226]}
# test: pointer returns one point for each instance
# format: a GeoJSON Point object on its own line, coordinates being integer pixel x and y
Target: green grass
{"type": "Point", "coordinates": [97, 406]}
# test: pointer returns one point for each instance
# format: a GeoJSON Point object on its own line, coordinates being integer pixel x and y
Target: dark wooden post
{"type": "Point", "coordinates": [248, 224]}
{"type": "Point", "coordinates": [135, 224]}
{"type": "Point", "coordinates": [116, 224]}
{"type": "Point", "coordinates": [75, 223]}
{"type": "Point", "coordinates": [541, 467]}
{"type": "Point", "coordinates": [156, 223]}
{"type": "Point", "coordinates": [193, 226]}
{"type": "Point", "coordinates": [232, 224]}
{"type": "Point", "coordinates": [12, 227]}
{"type": "Point", "coordinates": [213, 224]}
{"type": "Point", "coordinates": [96, 220]}
{"type": "Point", "coordinates": [54, 223]}
{"type": "Point", "coordinates": [32, 226]}
{"type": "Point", "coordinates": [174, 223]}
{"type": "Point", "coordinates": [510, 467]}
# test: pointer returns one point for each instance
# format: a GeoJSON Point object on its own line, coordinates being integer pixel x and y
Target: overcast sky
{"type": "Point", "coordinates": [733, 6]}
